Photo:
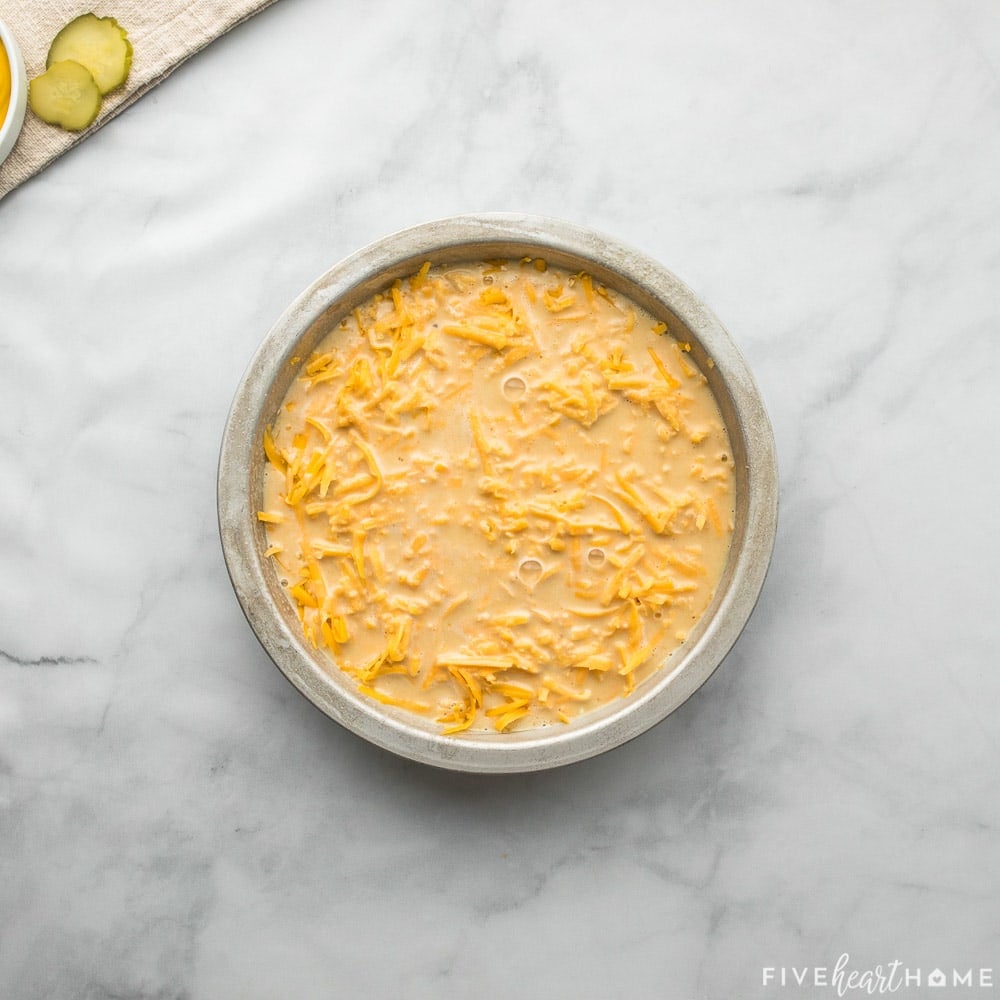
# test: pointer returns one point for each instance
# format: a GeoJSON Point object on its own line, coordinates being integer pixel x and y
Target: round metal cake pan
{"type": "Point", "coordinates": [318, 310]}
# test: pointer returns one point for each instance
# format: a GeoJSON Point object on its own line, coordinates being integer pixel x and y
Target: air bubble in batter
{"type": "Point", "coordinates": [530, 572]}
{"type": "Point", "coordinates": [514, 388]}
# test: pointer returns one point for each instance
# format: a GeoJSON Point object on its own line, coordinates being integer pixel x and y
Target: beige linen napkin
{"type": "Point", "coordinates": [163, 34]}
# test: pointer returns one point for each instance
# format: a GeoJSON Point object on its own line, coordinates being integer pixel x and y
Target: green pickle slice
{"type": "Point", "coordinates": [65, 95]}
{"type": "Point", "coordinates": [100, 44]}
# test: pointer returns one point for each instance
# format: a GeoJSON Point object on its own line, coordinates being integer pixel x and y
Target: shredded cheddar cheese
{"type": "Point", "coordinates": [498, 495]}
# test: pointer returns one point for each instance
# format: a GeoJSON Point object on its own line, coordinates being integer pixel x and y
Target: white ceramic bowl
{"type": "Point", "coordinates": [10, 127]}
{"type": "Point", "coordinates": [466, 238]}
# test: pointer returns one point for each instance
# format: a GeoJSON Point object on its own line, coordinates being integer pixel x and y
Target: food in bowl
{"type": "Point", "coordinates": [13, 91]}
{"type": "Point", "coordinates": [498, 495]}
{"type": "Point", "coordinates": [6, 82]}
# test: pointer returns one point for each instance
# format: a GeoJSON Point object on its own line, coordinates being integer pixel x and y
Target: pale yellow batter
{"type": "Point", "coordinates": [499, 495]}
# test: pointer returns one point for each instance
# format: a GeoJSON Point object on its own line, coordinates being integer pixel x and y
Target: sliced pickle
{"type": "Point", "coordinates": [99, 43]}
{"type": "Point", "coordinates": [65, 95]}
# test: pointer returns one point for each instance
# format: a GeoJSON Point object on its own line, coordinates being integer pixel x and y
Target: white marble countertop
{"type": "Point", "coordinates": [178, 822]}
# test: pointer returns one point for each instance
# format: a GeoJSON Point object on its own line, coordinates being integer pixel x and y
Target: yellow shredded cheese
{"type": "Point", "coordinates": [498, 495]}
